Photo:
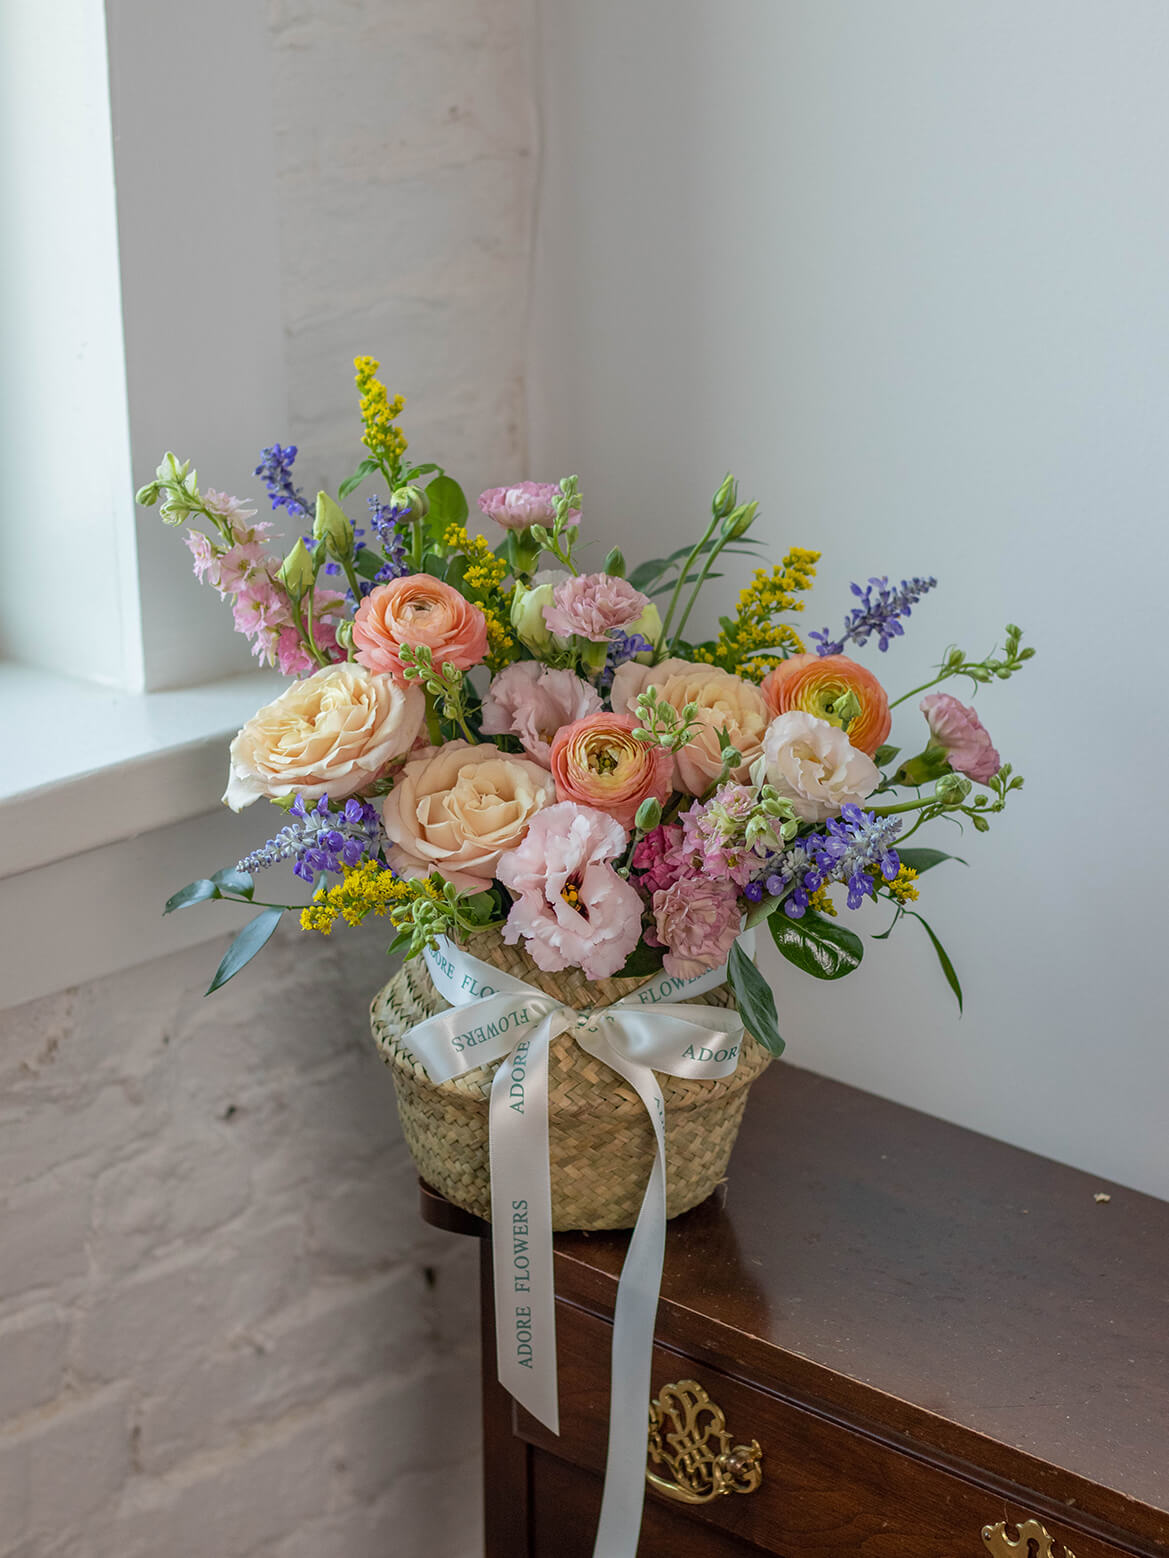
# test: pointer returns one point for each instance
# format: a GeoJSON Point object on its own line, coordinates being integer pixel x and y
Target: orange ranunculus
{"type": "Point", "coordinates": [814, 683]}
{"type": "Point", "coordinates": [598, 761]}
{"type": "Point", "coordinates": [418, 610]}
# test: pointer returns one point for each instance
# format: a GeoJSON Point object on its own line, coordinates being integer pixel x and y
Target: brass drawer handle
{"type": "Point", "coordinates": [688, 1436]}
{"type": "Point", "coordinates": [1000, 1545]}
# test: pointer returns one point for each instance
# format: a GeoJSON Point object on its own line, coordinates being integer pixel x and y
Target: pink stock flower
{"type": "Point", "coordinates": [293, 659]}
{"type": "Point", "coordinates": [202, 551]}
{"type": "Point", "coordinates": [697, 920]}
{"type": "Point", "coordinates": [526, 503]}
{"type": "Point", "coordinates": [235, 513]}
{"type": "Point", "coordinates": [715, 835]}
{"type": "Point", "coordinates": [532, 701]}
{"type": "Point", "coordinates": [961, 733]}
{"type": "Point", "coordinates": [660, 858]}
{"type": "Point", "coordinates": [592, 605]}
{"type": "Point", "coordinates": [571, 908]}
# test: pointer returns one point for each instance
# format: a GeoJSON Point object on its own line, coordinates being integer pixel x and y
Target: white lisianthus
{"type": "Point", "coordinates": [814, 765]}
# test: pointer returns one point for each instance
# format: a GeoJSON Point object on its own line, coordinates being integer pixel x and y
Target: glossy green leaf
{"type": "Point", "coordinates": [943, 958]}
{"type": "Point", "coordinates": [229, 880]}
{"type": "Point", "coordinates": [758, 912]}
{"type": "Point", "coordinates": [243, 949]}
{"type": "Point", "coordinates": [925, 859]}
{"type": "Point", "coordinates": [448, 504]}
{"type": "Point", "coordinates": [194, 892]}
{"type": "Point", "coordinates": [755, 1001]}
{"type": "Point", "coordinates": [351, 483]}
{"type": "Point", "coordinates": [817, 946]}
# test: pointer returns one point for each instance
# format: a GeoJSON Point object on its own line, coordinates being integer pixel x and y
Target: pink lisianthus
{"type": "Point", "coordinates": [697, 920]}
{"type": "Point", "coordinates": [572, 909]}
{"type": "Point", "coordinates": [593, 605]}
{"type": "Point", "coordinates": [533, 701]}
{"type": "Point", "coordinates": [960, 732]}
{"type": "Point", "coordinates": [526, 503]}
{"type": "Point", "coordinates": [660, 858]}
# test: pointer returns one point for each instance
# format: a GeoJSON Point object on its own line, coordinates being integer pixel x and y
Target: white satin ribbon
{"type": "Point", "coordinates": [636, 1036]}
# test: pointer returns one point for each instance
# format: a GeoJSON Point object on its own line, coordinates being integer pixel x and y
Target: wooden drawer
{"type": "Point", "coordinates": [829, 1487]}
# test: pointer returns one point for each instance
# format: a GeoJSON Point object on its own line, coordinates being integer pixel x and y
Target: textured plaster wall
{"type": "Point", "coordinates": [224, 1332]}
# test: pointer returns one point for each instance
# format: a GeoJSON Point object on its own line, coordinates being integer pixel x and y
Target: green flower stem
{"type": "Point", "coordinates": [682, 577]}
{"type": "Point", "coordinates": [306, 637]}
{"type": "Point", "coordinates": [925, 686]}
{"type": "Point", "coordinates": [702, 577]}
{"type": "Point", "coordinates": [351, 576]}
{"type": "Point", "coordinates": [901, 806]}
{"type": "Point", "coordinates": [258, 903]}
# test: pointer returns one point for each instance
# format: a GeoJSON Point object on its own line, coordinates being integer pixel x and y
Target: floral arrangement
{"type": "Point", "coordinates": [490, 733]}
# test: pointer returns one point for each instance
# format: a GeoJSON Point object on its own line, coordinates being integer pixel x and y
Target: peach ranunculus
{"type": "Point", "coordinates": [724, 702]}
{"type": "Point", "coordinates": [458, 807]}
{"type": "Point", "coordinates": [599, 762]}
{"type": "Point", "coordinates": [418, 610]}
{"type": "Point", "coordinates": [815, 683]}
{"type": "Point", "coordinates": [332, 733]}
{"type": "Point", "coordinates": [815, 766]}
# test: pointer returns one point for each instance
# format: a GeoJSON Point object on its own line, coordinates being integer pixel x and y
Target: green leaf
{"type": "Point", "coordinates": [401, 940]}
{"type": "Point", "coordinates": [691, 578]}
{"type": "Point", "coordinates": [884, 755]}
{"type": "Point", "coordinates": [943, 958]}
{"type": "Point", "coordinates": [229, 880]}
{"type": "Point", "coordinates": [194, 892]}
{"type": "Point", "coordinates": [245, 946]}
{"type": "Point", "coordinates": [448, 504]}
{"type": "Point", "coordinates": [763, 910]}
{"type": "Point", "coordinates": [351, 483]}
{"type": "Point", "coordinates": [818, 946]}
{"type": "Point", "coordinates": [641, 962]}
{"type": "Point", "coordinates": [925, 859]}
{"type": "Point", "coordinates": [367, 563]}
{"type": "Point", "coordinates": [754, 999]}
{"type": "Point", "coordinates": [419, 470]}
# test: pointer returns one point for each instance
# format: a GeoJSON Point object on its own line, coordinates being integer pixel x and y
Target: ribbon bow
{"type": "Point", "coordinates": [636, 1036]}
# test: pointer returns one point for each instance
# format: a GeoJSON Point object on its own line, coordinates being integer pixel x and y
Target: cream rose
{"type": "Point", "coordinates": [815, 766]}
{"type": "Point", "coordinates": [456, 809]}
{"type": "Point", "coordinates": [724, 702]}
{"type": "Point", "coordinates": [332, 733]}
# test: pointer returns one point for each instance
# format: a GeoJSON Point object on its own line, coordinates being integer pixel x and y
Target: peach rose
{"type": "Point", "coordinates": [332, 733]}
{"type": "Point", "coordinates": [599, 762]}
{"type": "Point", "coordinates": [418, 610]}
{"type": "Point", "coordinates": [724, 702]}
{"type": "Point", "coordinates": [814, 683]}
{"type": "Point", "coordinates": [815, 766]}
{"type": "Point", "coordinates": [457, 808]}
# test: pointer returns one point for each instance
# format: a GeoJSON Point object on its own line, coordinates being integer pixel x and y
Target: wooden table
{"type": "Point", "coordinates": [927, 1332]}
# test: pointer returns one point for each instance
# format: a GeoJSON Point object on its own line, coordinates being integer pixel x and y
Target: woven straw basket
{"type": "Point", "coordinates": [600, 1139]}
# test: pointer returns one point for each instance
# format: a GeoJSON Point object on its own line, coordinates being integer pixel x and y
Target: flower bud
{"type": "Point", "coordinates": [332, 526]}
{"type": "Point", "coordinates": [615, 563]}
{"type": "Point", "coordinates": [527, 617]}
{"type": "Point", "coordinates": [952, 789]}
{"type": "Point", "coordinates": [724, 499]}
{"type": "Point", "coordinates": [413, 499]}
{"type": "Point", "coordinates": [739, 521]}
{"type": "Point", "coordinates": [649, 627]}
{"type": "Point", "coordinates": [649, 814]}
{"type": "Point", "coordinates": [148, 495]}
{"type": "Point", "coordinates": [344, 632]}
{"type": "Point", "coordinates": [296, 572]}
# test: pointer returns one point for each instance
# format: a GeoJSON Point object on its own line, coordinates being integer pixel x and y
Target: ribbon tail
{"type": "Point", "coordinates": [634, 1316]}
{"type": "Point", "coordinates": [521, 1224]}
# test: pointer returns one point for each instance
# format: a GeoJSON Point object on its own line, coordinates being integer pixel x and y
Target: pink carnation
{"type": "Point", "coordinates": [532, 701]}
{"type": "Point", "coordinates": [697, 920]}
{"type": "Point", "coordinates": [660, 858]}
{"type": "Point", "coordinates": [572, 909]}
{"type": "Point", "coordinates": [527, 503]}
{"type": "Point", "coordinates": [592, 605]}
{"type": "Point", "coordinates": [960, 732]}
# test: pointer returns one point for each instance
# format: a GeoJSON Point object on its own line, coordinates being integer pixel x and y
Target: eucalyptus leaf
{"type": "Point", "coordinates": [754, 999]}
{"type": "Point", "coordinates": [229, 880]}
{"type": "Point", "coordinates": [194, 892]}
{"type": "Point", "coordinates": [818, 946]}
{"type": "Point", "coordinates": [243, 949]}
{"type": "Point", "coordinates": [921, 860]}
{"type": "Point", "coordinates": [943, 958]}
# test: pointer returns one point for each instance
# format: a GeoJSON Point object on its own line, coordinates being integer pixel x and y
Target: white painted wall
{"type": "Point", "coordinates": [903, 268]}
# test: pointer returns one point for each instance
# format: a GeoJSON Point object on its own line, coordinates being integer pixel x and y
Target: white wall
{"type": "Point", "coordinates": [903, 268]}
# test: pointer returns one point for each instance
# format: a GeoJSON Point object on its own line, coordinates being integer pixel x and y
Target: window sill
{"type": "Point", "coordinates": [86, 766]}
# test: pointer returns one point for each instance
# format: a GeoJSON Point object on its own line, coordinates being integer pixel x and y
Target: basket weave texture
{"type": "Point", "coordinates": [600, 1140]}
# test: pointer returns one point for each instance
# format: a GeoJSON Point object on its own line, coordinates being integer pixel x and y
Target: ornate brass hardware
{"type": "Point", "coordinates": [1000, 1545]}
{"type": "Point", "coordinates": [688, 1435]}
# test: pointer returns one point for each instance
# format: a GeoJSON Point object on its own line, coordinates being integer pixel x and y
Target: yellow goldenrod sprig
{"type": "Point", "coordinates": [753, 628]}
{"type": "Point", "coordinates": [379, 414]}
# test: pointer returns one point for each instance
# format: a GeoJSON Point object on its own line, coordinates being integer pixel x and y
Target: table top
{"type": "Point", "coordinates": [974, 1298]}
